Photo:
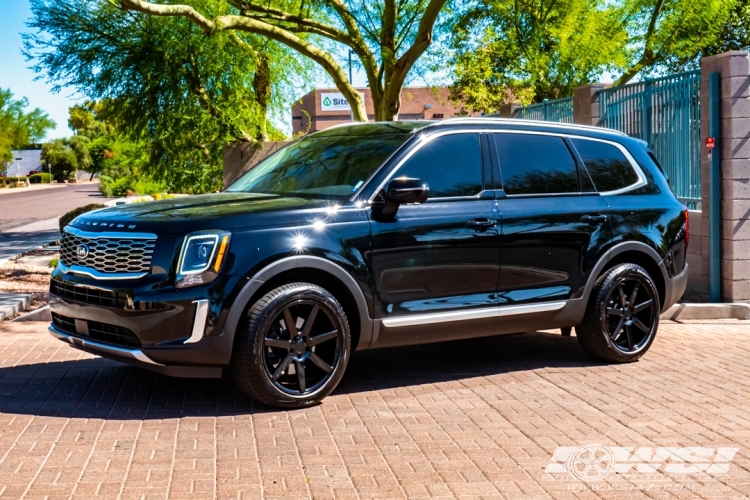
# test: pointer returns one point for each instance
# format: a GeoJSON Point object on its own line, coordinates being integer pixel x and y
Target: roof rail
{"type": "Point", "coordinates": [518, 121]}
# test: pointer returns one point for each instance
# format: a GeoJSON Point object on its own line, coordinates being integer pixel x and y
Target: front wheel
{"type": "Point", "coordinates": [293, 347]}
{"type": "Point", "coordinates": [622, 315]}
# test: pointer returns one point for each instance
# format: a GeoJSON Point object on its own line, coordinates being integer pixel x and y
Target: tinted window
{"type": "Point", "coordinates": [536, 164]}
{"type": "Point", "coordinates": [320, 166]}
{"type": "Point", "coordinates": [451, 165]}
{"type": "Point", "coordinates": [607, 165]}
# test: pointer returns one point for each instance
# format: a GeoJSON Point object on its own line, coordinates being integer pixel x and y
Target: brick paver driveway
{"type": "Point", "coordinates": [470, 419]}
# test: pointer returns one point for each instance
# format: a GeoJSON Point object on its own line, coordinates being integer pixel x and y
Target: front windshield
{"type": "Point", "coordinates": [332, 166]}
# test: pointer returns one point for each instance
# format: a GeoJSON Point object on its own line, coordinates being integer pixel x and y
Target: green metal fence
{"type": "Point", "coordinates": [557, 110]}
{"type": "Point", "coordinates": [664, 112]}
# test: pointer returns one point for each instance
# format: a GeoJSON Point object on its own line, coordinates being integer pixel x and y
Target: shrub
{"type": "Point", "coordinates": [121, 186]}
{"type": "Point", "coordinates": [105, 187]}
{"type": "Point", "coordinates": [53, 262]}
{"type": "Point", "coordinates": [68, 218]}
{"type": "Point", "coordinates": [13, 181]}
{"type": "Point", "coordinates": [40, 178]}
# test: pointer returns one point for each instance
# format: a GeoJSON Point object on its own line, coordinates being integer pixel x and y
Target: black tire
{"type": "Point", "coordinates": [622, 315]}
{"type": "Point", "coordinates": [264, 343]}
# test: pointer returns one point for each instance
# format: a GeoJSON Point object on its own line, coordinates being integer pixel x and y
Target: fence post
{"type": "Point", "coordinates": [586, 104]}
{"type": "Point", "coordinates": [714, 181]}
{"type": "Point", "coordinates": [545, 112]}
{"type": "Point", "coordinates": [733, 199]}
{"type": "Point", "coordinates": [647, 114]}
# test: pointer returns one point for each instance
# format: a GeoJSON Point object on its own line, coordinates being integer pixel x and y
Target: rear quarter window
{"type": "Point", "coordinates": [608, 167]}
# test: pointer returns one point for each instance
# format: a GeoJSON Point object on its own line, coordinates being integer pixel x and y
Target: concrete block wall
{"type": "Point", "coordinates": [243, 156]}
{"type": "Point", "coordinates": [734, 68]}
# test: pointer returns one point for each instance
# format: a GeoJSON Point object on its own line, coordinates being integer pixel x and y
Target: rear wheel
{"type": "Point", "coordinates": [293, 348]}
{"type": "Point", "coordinates": [622, 316]}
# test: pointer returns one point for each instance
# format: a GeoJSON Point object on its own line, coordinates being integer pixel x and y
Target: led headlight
{"type": "Point", "coordinates": [201, 258]}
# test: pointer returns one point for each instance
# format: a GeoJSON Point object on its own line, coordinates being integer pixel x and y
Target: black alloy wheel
{"type": "Point", "coordinates": [622, 316]}
{"type": "Point", "coordinates": [631, 313]}
{"type": "Point", "coordinates": [294, 346]}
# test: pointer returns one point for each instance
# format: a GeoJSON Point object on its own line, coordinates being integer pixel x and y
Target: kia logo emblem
{"type": "Point", "coordinates": [82, 251]}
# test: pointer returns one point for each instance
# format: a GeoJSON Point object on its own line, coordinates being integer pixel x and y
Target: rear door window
{"type": "Point", "coordinates": [607, 165]}
{"type": "Point", "coordinates": [451, 165]}
{"type": "Point", "coordinates": [536, 164]}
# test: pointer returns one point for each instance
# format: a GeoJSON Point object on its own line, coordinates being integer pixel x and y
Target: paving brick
{"type": "Point", "coordinates": [471, 419]}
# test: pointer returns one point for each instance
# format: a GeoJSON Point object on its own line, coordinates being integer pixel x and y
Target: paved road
{"type": "Point", "coordinates": [471, 419]}
{"type": "Point", "coordinates": [19, 209]}
{"type": "Point", "coordinates": [28, 219]}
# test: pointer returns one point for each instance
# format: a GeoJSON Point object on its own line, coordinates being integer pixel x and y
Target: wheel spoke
{"type": "Point", "coordinates": [320, 363]}
{"type": "Point", "coordinates": [630, 337]}
{"type": "Point", "coordinates": [282, 366]}
{"type": "Point", "coordinates": [618, 329]}
{"type": "Point", "coordinates": [623, 298]}
{"type": "Point", "coordinates": [631, 302]}
{"type": "Point", "coordinates": [613, 311]}
{"type": "Point", "coordinates": [309, 321]}
{"type": "Point", "coordinates": [290, 323]}
{"type": "Point", "coordinates": [281, 344]}
{"type": "Point", "coordinates": [640, 325]}
{"type": "Point", "coordinates": [300, 368]}
{"type": "Point", "coordinates": [641, 307]}
{"type": "Point", "coordinates": [323, 337]}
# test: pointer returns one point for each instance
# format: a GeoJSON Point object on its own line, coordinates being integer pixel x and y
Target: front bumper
{"type": "Point", "coordinates": [135, 357]}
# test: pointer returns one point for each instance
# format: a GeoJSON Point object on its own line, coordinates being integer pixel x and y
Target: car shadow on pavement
{"type": "Point", "coordinates": [101, 388]}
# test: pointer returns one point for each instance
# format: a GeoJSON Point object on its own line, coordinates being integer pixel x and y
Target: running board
{"type": "Point", "coordinates": [489, 312]}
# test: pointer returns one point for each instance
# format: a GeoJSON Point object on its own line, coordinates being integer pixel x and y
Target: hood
{"type": "Point", "coordinates": [183, 215]}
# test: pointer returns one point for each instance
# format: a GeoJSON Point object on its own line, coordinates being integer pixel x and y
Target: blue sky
{"type": "Point", "coordinates": [16, 76]}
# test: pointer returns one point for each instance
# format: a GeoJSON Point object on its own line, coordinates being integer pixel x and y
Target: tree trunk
{"type": "Point", "coordinates": [262, 88]}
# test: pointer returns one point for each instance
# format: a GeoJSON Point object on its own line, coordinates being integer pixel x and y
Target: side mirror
{"type": "Point", "coordinates": [404, 190]}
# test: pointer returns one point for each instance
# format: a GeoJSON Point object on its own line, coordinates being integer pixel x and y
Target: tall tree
{"type": "Point", "coordinates": [664, 31]}
{"type": "Point", "coordinates": [388, 37]}
{"type": "Point", "coordinates": [530, 50]}
{"type": "Point", "coordinates": [163, 83]}
{"type": "Point", "coordinates": [19, 127]}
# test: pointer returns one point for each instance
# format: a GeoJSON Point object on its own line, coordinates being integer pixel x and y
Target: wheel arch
{"type": "Point", "coordinates": [318, 271]}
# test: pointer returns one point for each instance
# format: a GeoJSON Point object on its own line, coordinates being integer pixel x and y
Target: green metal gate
{"type": "Point", "coordinates": [664, 112]}
{"type": "Point", "coordinates": [557, 110]}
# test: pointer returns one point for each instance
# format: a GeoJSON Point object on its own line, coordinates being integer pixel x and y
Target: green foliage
{"type": "Point", "coordinates": [40, 178]}
{"type": "Point", "coordinates": [530, 50]}
{"type": "Point", "coordinates": [68, 217]}
{"type": "Point", "coordinates": [53, 262]}
{"type": "Point", "coordinates": [163, 85]}
{"type": "Point", "coordinates": [61, 158]}
{"type": "Point", "coordinates": [18, 127]}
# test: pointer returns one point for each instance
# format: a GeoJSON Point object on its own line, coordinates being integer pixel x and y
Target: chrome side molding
{"type": "Point", "coordinates": [199, 323]}
{"type": "Point", "coordinates": [98, 347]}
{"type": "Point", "coordinates": [485, 312]}
{"type": "Point", "coordinates": [93, 273]}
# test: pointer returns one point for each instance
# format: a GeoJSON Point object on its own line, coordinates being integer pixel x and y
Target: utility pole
{"type": "Point", "coordinates": [351, 111]}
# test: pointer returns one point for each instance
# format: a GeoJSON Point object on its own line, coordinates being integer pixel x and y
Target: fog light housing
{"type": "Point", "coordinates": [201, 258]}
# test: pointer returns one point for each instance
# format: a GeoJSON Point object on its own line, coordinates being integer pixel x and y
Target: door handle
{"type": "Point", "coordinates": [481, 224]}
{"type": "Point", "coordinates": [594, 219]}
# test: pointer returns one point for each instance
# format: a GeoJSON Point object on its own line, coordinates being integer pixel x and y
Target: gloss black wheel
{"type": "Point", "coordinates": [294, 348]}
{"type": "Point", "coordinates": [622, 316]}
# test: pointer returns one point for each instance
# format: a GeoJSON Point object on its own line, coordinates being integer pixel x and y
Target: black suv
{"type": "Point", "coordinates": [380, 235]}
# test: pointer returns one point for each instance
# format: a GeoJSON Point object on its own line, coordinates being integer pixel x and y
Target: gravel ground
{"type": "Point", "coordinates": [22, 278]}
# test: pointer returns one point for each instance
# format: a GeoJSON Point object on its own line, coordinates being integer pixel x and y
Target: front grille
{"type": "Point", "coordinates": [109, 334]}
{"type": "Point", "coordinates": [88, 295]}
{"type": "Point", "coordinates": [108, 255]}
{"type": "Point", "coordinates": [64, 323]}
{"type": "Point", "coordinates": [112, 334]}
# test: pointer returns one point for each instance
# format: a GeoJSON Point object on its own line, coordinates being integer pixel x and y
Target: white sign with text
{"type": "Point", "coordinates": [335, 101]}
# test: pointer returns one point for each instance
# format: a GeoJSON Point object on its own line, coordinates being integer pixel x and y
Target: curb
{"type": "Point", "coordinates": [679, 312]}
{"type": "Point", "coordinates": [41, 314]}
{"type": "Point", "coordinates": [13, 303]}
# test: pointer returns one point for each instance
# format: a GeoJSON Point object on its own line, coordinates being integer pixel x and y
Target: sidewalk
{"type": "Point", "coordinates": [32, 187]}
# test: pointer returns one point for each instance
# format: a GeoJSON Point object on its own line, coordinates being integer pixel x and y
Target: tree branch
{"type": "Point", "coordinates": [648, 57]}
{"type": "Point", "coordinates": [170, 10]}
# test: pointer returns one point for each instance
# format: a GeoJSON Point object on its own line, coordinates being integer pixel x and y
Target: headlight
{"type": "Point", "coordinates": [201, 258]}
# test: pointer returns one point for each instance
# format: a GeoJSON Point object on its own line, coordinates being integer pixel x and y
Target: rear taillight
{"type": "Point", "coordinates": [687, 227]}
